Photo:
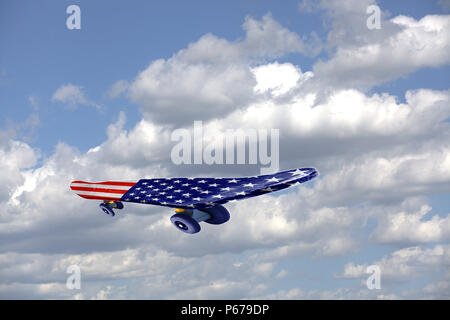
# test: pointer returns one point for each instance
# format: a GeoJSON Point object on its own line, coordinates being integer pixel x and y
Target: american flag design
{"type": "Point", "coordinates": [108, 190]}
{"type": "Point", "coordinates": [191, 193]}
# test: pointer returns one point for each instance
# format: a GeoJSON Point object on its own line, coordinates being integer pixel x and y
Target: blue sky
{"type": "Point", "coordinates": [118, 40]}
{"type": "Point", "coordinates": [344, 223]}
{"type": "Point", "coordinates": [115, 42]}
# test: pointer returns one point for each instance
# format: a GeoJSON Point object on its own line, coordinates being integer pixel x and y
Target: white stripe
{"type": "Point", "coordinates": [99, 194]}
{"type": "Point", "coordinates": [103, 186]}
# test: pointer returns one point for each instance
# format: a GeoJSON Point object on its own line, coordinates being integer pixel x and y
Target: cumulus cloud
{"type": "Point", "coordinates": [212, 76]}
{"type": "Point", "coordinates": [372, 145]}
{"type": "Point", "coordinates": [406, 227]}
{"type": "Point", "coordinates": [368, 148]}
{"type": "Point", "coordinates": [337, 294]}
{"type": "Point", "coordinates": [346, 22]}
{"type": "Point", "coordinates": [278, 79]}
{"type": "Point", "coordinates": [361, 57]}
{"type": "Point", "coordinates": [72, 96]}
{"type": "Point", "coordinates": [408, 264]}
{"type": "Point", "coordinates": [385, 178]}
{"type": "Point", "coordinates": [319, 130]}
{"type": "Point", "coordinates": [271, 223]}
{"type": "Point", "coordinates": [182, 92]}
{"type": "Point", "coordinates": [117, 88]}
{"type": "Point", "coordinates": [15, 157]}
{"type": "Point", "coordinates": [268, 39]}
{"type": "Point", "coordinates": [418, 44]}
{"type": "Point", "coordinates": [349, 113]}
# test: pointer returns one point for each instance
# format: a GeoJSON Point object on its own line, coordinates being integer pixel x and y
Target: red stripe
{"type": "Point", "coordinates": [98, 198]}
{"type": "Point", "coordinates": [111, 183]}
{"type": "Point", "coordinates": [99, 190]}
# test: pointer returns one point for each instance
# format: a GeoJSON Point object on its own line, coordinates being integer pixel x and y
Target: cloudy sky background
{"type": "Point", "coordinates": [369, 109]}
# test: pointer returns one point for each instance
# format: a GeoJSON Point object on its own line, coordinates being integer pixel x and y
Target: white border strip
{"type": "Point", "coordinates": [99, 194]}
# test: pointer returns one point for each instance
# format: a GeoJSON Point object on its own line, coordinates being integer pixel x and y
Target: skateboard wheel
{"type": "Point", "coordinates": [185, 223]}
{"type": "Point", "coordinates": [119, 205]}
{"type": "Point", "coordinates": [218, 214]}
{"type": "Point", "coordinates": [107, 209]}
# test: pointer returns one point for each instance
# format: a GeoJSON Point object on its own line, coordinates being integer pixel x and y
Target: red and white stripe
{"type": "Point", "coordinates": [108, 190]}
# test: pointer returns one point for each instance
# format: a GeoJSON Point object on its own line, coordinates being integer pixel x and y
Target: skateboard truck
{"type": "Point", "coordinates": [107, 207]}
{"type": "Point", "coordinates": [188, 220]}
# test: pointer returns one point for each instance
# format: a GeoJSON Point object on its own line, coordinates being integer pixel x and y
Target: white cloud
{"type": "Point", "coordinates": [362, 58]}
{"type": "Point", "coordinates": [139, 152]}
{"type": "Point", "coordinates": [72, 96]}
{"type": "Point", "coordinates": [41, 194]}
{"type": "Point", "coordinates": [117, 88]}
{"type": "Point", "coordinates": [33, 102]}
{"type": "Point", "coordinates": [268, 39]}
{"type": "Point", "coordinates": [15, 157]}
{"type": "Point", "coordinates": [385, 178]}
{"type": "Point", "coordinates": [400, 227]}
{"type": "Point", "coordinates": [184, 92]}
{"type": "Point", "coordinates": [282, 274]}
{"type": "Point", "coordinates": [278, 78]}
{"type": "Point", "coordinates": [438, 289]}
{"type": "Point", "coordinates": [212, 76]}
{"type": "Point", "coordinates": [368, 149]}
{"type": "Point", "coordinates": [418, 44]}
{"type": "Point", "coordinates": [409, 264]}
{"type": "Point", "coordinates": [337, 294]}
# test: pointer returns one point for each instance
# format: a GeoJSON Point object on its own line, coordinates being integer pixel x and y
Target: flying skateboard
{"type": "Point", "coordinates": [194, 199]}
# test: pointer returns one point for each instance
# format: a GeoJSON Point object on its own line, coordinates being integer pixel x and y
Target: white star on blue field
{"type": "Point", "coordinates": [208, 192]}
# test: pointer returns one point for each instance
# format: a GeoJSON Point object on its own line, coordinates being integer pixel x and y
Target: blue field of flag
{"type": "Point", "coordinates": [208, 192]}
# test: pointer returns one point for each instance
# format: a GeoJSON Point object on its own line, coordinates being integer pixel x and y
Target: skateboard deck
{"type": "Point", "coordinates": [191, 193]}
